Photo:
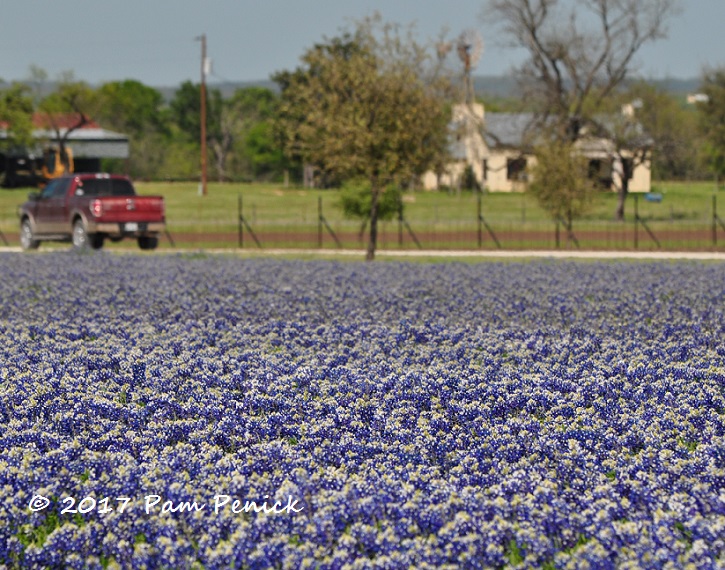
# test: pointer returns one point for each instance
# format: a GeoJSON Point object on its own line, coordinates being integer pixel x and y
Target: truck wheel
{"type": "Point", "coordinates": [27, 241]}
{"type": "Point", "coordinates": [80, 236]}
{"type": "Point", "coordinates": [148, 242]}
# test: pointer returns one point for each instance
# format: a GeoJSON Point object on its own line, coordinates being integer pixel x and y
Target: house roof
{"type": "Point", "coordinates": [88, 141]}
{"type": "Point", "coordinates": [507, 129]}
{"type": "Point", "coordinates": [513, 130]}
{"type": "Point", "coordinates": [82, 134]}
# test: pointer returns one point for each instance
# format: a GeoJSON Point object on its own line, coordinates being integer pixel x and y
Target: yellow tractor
{"type": "Point", "coordinates": [55, 164]}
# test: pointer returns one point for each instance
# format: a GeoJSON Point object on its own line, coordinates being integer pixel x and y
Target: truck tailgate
{"type": "Point", "coordinates": [130, 208]}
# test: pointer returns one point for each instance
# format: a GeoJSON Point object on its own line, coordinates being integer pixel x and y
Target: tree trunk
{"type": "Point", "coordinates": [220, 158]}
{"type": "Point", "coordinates": [569, 227]}
{"type": "Point", "coordinates": [622, 196]}
{"type": "Point", "coordinates": [221, 167]}
{"type": "Point", "coordinates": [623, 191]}
{"type": "Point", "coordinates": [373, 243]}
{"type": "Point", "coordinates": [63, 155]}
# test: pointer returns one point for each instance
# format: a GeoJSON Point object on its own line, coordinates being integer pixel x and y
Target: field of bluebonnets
{"type": "Point", "coordinates": [212, 412]}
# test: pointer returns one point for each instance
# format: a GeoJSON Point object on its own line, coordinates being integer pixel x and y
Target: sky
{"type": "Point", "coordinates": [155, 41]}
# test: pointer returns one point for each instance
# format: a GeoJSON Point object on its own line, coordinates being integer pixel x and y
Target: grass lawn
{"type": "Point", "coordinates": [288, 217]}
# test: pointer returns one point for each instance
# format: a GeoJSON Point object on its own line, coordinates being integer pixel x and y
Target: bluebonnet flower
{"type": "Point", "coordinates": [426, 416]}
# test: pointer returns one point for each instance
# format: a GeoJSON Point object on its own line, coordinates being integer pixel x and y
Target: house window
{"type": "Point", "coordinates": [516, 168]}
{"type": "Point", "coordinates": [600, 172]}
{"type": "Point", "coordinates": [485, 169]}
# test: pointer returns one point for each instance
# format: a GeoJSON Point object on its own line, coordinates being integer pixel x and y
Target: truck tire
{"type": "Point", "coordinates": [82, 240]}
{"type": "Point", "coordinates": [27, 241]}
{"type": "Point", "coordinates": [148, 242]}
{"type": "Point", "coordinates": [80, 235]}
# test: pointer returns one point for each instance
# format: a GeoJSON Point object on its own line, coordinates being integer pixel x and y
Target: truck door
{"type": "Point", "coordinates": [51, 215]}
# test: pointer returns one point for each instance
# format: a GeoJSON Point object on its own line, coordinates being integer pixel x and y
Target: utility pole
{"type": "Point", "coordinates": [204, 66]}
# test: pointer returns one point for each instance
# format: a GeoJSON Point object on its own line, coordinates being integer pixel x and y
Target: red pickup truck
{"type": "Point", "coordinates": [85, 209]}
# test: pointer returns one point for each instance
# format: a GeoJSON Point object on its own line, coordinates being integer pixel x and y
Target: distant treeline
{"type": "Point", "coordinates": [491, 85]}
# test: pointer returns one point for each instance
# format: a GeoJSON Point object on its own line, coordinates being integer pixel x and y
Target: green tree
{"type": "Point", "coordinates": [672, 127]}
{"type": "Point", "coordinates": [258, 151]}
{"type": "Point", "coordinates": [264, 152]}
{"type": "Point", "coordinates": [139, 111]}
{"type": "Point", "coordinates": [131, 107]}
{"type": "Point", "coordinates": [229, 121]}
{"type": "Point", "coordinates": [185, 110]}
{"type": "Point", "coordinates": [16, 111]}
{"type": "Point", "coordinates": [560, 181]}
{"type": "Point", "coordinates": [16, 117]}
{"type": "Point", "coordinates": [355, 200]}
{"type": "Point", "coordinates": [362, 105]}
{"type": "Point", "coordinates": [243, 143]}
{"type": "Point", "coordinates": [71, 106]}
{"type": "Point", "coordinates": [712, 123]}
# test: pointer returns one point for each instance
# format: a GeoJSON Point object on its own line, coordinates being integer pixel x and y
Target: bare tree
{"type": "Point", "coordinates": [578, 54]}
{"type": "Point", "coordinates": [222, 142]}
{"type": "Point", "coordinates": [625, 140]}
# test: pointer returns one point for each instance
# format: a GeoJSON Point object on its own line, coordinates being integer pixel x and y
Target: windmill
{"type": "Point", "coordinates": [470, 49]}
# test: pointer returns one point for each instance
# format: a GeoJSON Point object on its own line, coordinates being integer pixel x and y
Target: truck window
{"type": "Point", "coordinates": [61, 188]}
{"type": "Point", "coordinates": [50, 188]}
{"type": "Point", "coordinates": [107, 187]}
{"type": "Point", "coordinates": [56, 188]}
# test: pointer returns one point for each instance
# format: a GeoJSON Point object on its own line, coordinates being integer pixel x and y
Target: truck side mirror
{"type": "Point", "coordinates": [34, 196]}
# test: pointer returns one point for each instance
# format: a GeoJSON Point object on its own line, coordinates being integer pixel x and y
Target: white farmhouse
{"type": "Point", "coordinates": [494, 146]}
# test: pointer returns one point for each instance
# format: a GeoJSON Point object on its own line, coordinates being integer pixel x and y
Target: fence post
{"type": "Point", "coordinates": [483, 224]}
{"type": "Point", "coordinates": [242, 223]}
{"type": "Point", "coordinates": [319, 222]}
{"type": "Point", "coordinates": [480, 220]}
{"type": "Point", "coordinates": [714, 220]}
{"type": "Point", "coordinates": [240, 228]}
{"type": "Point", "coordinates": [636, 221]}
{"type": "Point", "coordinates": [400, 220]}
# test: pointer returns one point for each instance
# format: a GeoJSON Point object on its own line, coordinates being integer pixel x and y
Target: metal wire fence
{"type": "Point", "coordinates": [316, 223]}
{"type": "Point", "coordinates": [315, 226]}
